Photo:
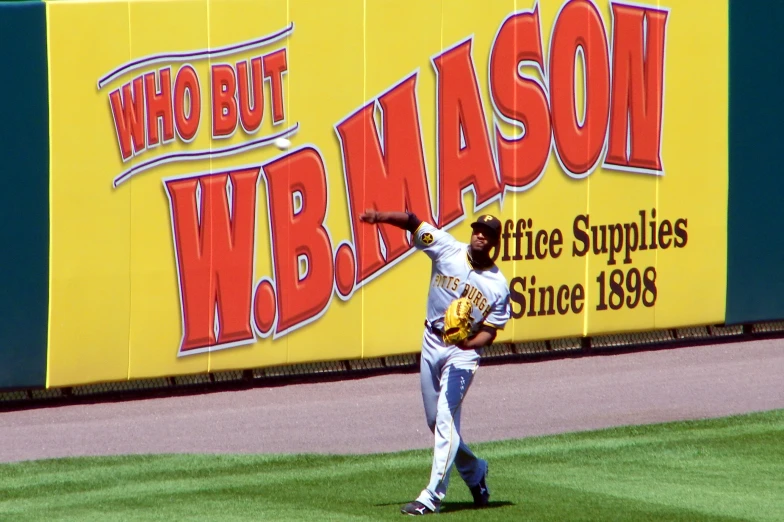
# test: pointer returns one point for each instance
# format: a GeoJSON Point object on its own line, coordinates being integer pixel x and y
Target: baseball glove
{"type": "Point", "coordinates": [457, 321]}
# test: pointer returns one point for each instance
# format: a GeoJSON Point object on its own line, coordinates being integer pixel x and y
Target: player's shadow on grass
{"type": "Point", "coordinates": [451, 507]}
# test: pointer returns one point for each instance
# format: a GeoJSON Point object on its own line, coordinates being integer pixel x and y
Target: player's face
{"type": "Point", "coordinates": [482, 240]}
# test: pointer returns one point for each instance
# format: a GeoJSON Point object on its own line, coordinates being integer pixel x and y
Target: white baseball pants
{"type": "Point", "coordinates": [446, 373]}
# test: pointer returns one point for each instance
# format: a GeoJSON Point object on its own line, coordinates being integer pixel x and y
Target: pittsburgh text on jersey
{"type": "Point", "coordinates": [477, 298]}
{"type": "Point", "coordinates": [446, 282]}
{"type": "Point", "coordinates": [471, 292]}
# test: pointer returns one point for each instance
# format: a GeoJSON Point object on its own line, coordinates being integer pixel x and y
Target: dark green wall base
{"type": "Point", "coordinates": [755, 232]}
{"type": "Point", "coordinates": [24, 195]}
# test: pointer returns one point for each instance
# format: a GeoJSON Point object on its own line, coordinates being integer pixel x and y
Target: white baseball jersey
{"type": "Point", "coordinates": [453, 276]}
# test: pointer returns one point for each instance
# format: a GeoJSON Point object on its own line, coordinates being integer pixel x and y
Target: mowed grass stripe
{"type": "Point", "coordinates": [720, 469]}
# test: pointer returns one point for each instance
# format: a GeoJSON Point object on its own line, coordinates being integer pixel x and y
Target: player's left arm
{"type": "Point", "coordinates": [485, 335]}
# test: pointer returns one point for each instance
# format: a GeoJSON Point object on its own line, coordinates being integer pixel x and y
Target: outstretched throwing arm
{"type": "Point", "coordinates": [402, 220]}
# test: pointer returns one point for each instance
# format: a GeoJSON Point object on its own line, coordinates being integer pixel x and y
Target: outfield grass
{"type": "Point", "coordinates": [724, 469]}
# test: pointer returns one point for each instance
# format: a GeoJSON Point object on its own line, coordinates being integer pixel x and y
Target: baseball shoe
{"type": "Point", "coordinates": [480, 492]}
{"type": "Point", "coordinates": [417, 508]}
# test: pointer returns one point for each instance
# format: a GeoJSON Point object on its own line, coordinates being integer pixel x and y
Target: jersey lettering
{"type": "Point", "coordinates": [447, 282]}
{"type": "Point", "coordinates": [477, 298]}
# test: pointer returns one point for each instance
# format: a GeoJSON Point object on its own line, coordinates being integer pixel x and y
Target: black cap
{"type": "Point", "coordinates": [488, 221]}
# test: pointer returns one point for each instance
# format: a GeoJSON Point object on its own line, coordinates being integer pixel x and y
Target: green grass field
{"type": "Point", "coordinates": [723, 469]}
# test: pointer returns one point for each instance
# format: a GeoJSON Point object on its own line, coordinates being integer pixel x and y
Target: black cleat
{"type": "Point", "coordinates": [480, 493]}
{"type": "Point", "coordinates": [417, 508]}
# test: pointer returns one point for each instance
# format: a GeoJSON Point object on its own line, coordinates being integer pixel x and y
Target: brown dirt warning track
{"type": "Point", "coordinates": [384, 412]}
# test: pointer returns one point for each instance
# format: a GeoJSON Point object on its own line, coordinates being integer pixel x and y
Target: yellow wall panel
{"type": "Point", "coordinates": [392, 65]}
{"type": "Point", "coordinates": [620, 277]}
{"type": "Point", "coordinates": [90, 224]}
{"type": "Point", "coordinates": [154, 276]}
{"type": "Point", "coordinates": [228, 26]}
{"type": "Point", "coordinates": [326, 78]}
{"type": "Point", "coordinates": [695, 184]}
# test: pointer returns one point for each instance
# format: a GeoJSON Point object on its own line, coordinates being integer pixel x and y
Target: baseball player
{"type": "Point", "coordinates": [459, 270]}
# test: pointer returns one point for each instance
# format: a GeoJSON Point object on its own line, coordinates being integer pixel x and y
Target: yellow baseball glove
{"type": "Point", "coordinates": [457, 321]}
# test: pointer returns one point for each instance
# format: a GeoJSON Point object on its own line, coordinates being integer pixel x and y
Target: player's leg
{"type": "Point", "coordinates": [456, 379]}
{"type": "Point", "coordinates": [430, 367]}
{"type": "Point", "coordinates": [430, 381]}
{"type": "Point", "coordinates": [471, 468]}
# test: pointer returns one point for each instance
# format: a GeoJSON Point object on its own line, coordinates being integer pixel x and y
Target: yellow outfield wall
{"type": "Point", "coordinates": [184, 241]}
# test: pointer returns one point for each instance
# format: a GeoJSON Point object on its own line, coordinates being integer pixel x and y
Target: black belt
{"type": "Point", "coordinates": [433, 329]}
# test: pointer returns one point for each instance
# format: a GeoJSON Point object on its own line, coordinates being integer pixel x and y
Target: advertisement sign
{"type": "Point", "coordinates": [185, 241]}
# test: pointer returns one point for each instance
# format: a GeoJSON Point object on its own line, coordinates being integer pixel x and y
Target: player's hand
{"type": "Point", "coordinates": [479, 340]}
{"type": "Point", "coordinates": [369, 216]}
{"type": "Point", "coordinates": [467, 344]}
